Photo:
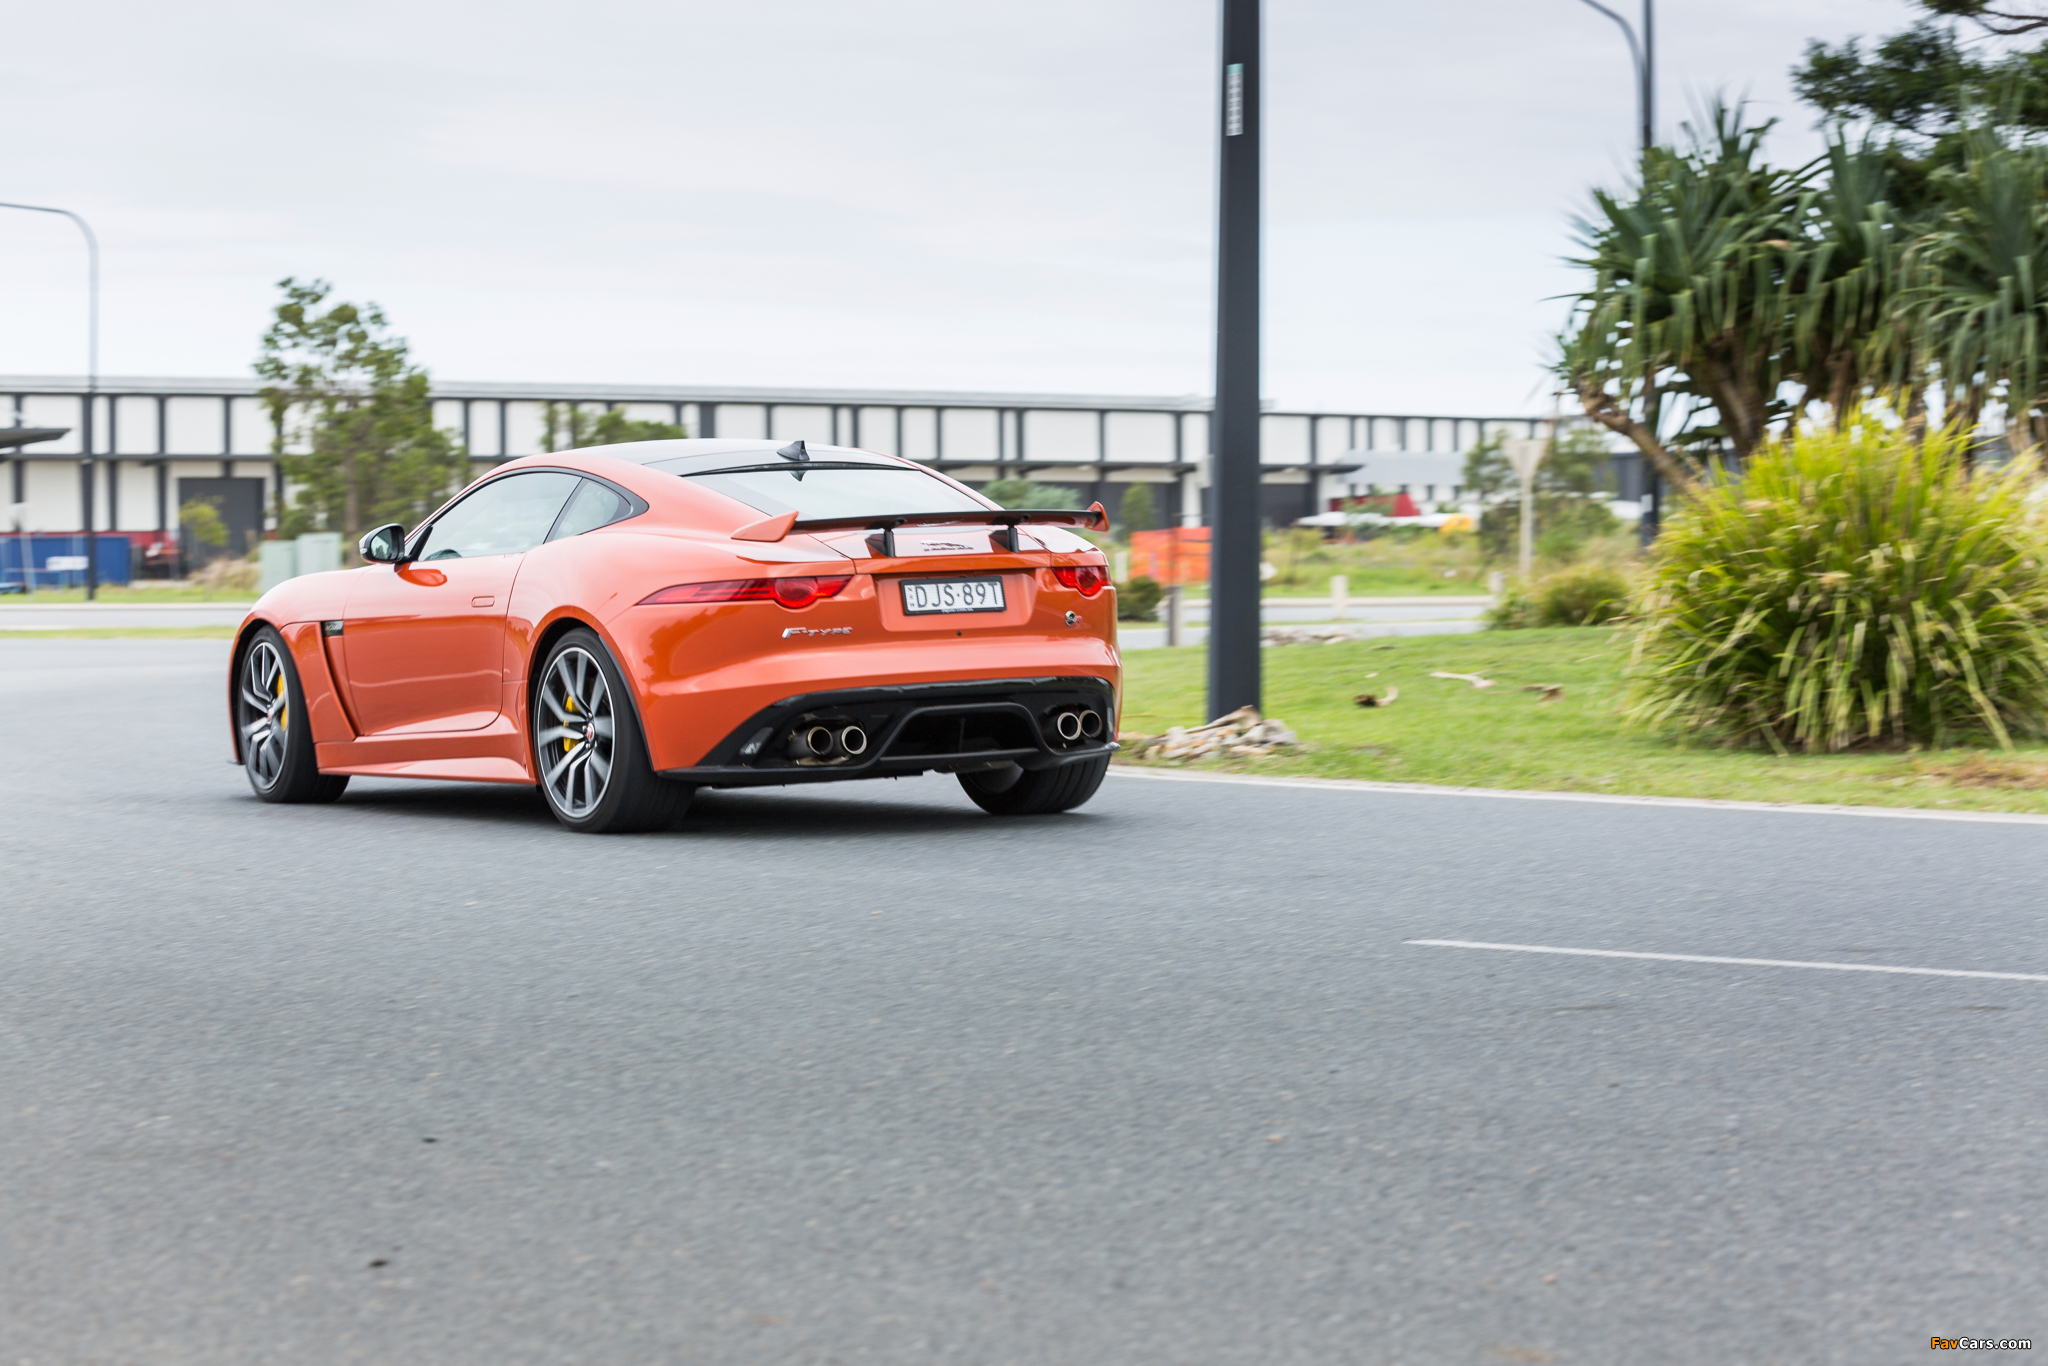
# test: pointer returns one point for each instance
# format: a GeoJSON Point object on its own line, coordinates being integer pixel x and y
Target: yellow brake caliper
{"type": "Point", "coordinates": [569, 742]}
{"type": "Point", "coordinates": [284, 711]}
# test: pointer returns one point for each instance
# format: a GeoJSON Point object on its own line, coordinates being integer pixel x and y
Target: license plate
{"type": "Point", "coordinates": [924, 596]}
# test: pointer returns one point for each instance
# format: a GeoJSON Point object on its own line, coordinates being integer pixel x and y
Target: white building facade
{"type": "Point", "coordinates": [159, 443]}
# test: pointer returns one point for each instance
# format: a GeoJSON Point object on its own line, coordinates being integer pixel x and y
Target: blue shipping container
{"type": "Point", "coordinates": [112, 551]}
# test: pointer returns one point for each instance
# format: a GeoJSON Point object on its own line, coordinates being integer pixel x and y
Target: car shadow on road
{"type": "Point", "coordinates": [766, 813]}
{"type": "Point", "coordinates": [776, 812]}
{"type": "Point", "coordinates": [493, 803]}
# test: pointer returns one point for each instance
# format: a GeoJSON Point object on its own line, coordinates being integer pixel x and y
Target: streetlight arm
{"type": "Point", "coordinates": [92, 385]}
{"type": "Point", "coordinates": [1642, 54]}
{"type": "Point", "coordinates": [92, 256]}
{"type": "Point", "coordinates": [1635, 50]}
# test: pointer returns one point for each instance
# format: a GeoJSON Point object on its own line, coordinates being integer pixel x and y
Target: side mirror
{"type": "Point", "coordinates": [385, 545]}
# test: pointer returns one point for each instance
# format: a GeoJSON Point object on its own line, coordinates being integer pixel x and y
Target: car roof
{"type": "Point", "coordinates": [710, 454]}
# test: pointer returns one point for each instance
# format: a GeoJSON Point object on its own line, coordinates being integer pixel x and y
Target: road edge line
{"type": "Point", "coordinates": [1597, 798]}
{"type": "Point", "coordinates": [1820, 964]}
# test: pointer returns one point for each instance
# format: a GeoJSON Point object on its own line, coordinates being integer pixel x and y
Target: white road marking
{"type": "Point", "coordinates": [1741, 962]}
{"type": "Point", "coordinates": [1601, 798]}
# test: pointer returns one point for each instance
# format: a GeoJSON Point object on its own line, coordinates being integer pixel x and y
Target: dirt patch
{"type": "Point", "coordinates": [1984, 770]}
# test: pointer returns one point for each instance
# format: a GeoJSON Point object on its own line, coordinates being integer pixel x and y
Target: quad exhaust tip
{"type": "Point", "coordinates": [1077, 723]}
{"type": "Point", "coordinates": [838, 741]}
{"type": "Point", "coordinates": [826, 743]}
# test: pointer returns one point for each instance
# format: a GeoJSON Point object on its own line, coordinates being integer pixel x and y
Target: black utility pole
{"type": "Point", "coordinates": [1234, 425]}
{"type": "Point", "coordinates": [1649, 75]}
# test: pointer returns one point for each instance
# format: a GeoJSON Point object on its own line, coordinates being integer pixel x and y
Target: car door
{"type": "Point", "coordinates": [425, 640]}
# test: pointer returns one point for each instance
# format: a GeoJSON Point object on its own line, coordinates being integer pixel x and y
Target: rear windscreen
{"type": "Point", "coordinates": [845, 491]}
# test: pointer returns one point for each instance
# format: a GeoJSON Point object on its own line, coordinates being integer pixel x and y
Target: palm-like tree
{"type": "Point", "coordinates": [1980, 286]}
{"type": "Point", "coordinates": [1844, 278]}
{"type": "Point", "coordinates": [1729, 296]}
{"type": "Point", "coordinates": [1688, 303]}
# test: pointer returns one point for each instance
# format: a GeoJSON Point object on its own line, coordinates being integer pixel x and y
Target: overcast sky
{"type": "Point", "coordinates": [895, 194]}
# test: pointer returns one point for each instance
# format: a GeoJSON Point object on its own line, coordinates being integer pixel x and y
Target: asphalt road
{"type": "Point", "coordinates": [866, 1076]}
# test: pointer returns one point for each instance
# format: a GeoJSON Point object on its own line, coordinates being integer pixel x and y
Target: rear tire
{"type": "Point", "coordinates": [588, 751]}
{"type": "Point", "coordinates": [270, 724]}
{"type": "Point", "coordinates": [1018, 791]}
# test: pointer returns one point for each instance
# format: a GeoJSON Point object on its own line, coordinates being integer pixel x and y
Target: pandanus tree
{"type": "Point", "coordinates": [1980, 286]}
{"type": "Point", "coordinates": [1963, 116]}
{"type": "Point", "coordinates": [1728, 295]}
{"type": "Point", "coordinates": [1684, 317]}
{"type": "Point", "coordinates": [1844, 285]}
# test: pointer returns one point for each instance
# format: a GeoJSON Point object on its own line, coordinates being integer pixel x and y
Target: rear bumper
{"type": "Point", "coordinates": [913, 728]}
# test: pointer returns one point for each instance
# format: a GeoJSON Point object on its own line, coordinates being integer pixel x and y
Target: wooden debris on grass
{"type": "Point", "coordinates": [1306, 635]}
{"type": "Point", "coordinates": [1243, 734]}
{"type": "Point", "coordinates": [1551, 691]}
{"type": "Point", "coordinates": [1366, 699]}
{"type": "Point", "coordinates": [1476, 680]}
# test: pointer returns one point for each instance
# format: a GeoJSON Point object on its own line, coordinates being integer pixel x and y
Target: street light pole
{"type": "Point", "coordinates": [92, 383]}
{"type": "Point", "coordinates": [1234, 424]}
{"type": "Point", "coordinates": [1644, 55]}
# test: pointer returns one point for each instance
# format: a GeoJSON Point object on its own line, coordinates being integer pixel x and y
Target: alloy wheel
{"type": "Point", "coordinates": [575, 743]}
{"type": "Point", "coordinates": [265, 703]}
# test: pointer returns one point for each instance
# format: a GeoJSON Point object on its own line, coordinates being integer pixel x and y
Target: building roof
{"type": "Point", "coordinates": [13, 438]}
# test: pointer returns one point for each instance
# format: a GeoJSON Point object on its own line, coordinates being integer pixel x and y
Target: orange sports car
{"type": "Point", "coordinates": [623, 625]}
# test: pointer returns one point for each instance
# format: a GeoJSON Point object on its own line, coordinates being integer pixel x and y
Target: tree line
{"type": "Point", "coordinates": [1908, 263]}
{"type": "Point", "coordinates": [352, 419]}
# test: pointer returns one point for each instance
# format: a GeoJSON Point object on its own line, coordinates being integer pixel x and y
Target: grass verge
{"type": "Point", "coordinates": [1445, 731]}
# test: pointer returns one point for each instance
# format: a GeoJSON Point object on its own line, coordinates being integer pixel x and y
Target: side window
{"type": "Point", "coordinates": [592, 505]}
{"type": "Point", "coordinates": [505, 517]}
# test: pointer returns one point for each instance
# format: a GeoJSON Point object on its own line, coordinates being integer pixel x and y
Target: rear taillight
{"type": "Point", "coordinates": [797, 591]}
{"type": "Point", "coordinates": [1085, 579]}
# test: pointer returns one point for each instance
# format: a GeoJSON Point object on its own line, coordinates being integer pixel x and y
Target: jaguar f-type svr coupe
{"type": "Point", "coordinates": [625, 624]}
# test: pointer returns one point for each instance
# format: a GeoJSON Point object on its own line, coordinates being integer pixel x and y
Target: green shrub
{"type": "Point", "coordinates": [1852, 588]}
{"type": "Point", "coordinates": [201, 520]}
{"type": "Point", "coordinates": [1138, 599]}
{"type": "Point", "coordinates": [1584, 595]}
{"type": "Point", "coordinates": [1512, 610]}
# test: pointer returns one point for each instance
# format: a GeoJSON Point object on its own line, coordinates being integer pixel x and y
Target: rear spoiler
{"type": "Point", "coordinates": [1095, 518]}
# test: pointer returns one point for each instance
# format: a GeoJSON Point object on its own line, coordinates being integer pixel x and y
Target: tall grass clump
{"type": "Point", "coordinates": [1860, 587]}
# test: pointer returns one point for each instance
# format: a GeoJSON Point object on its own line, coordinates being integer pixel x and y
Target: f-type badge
{"type": "Point", "coordinates": [789, 631]}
